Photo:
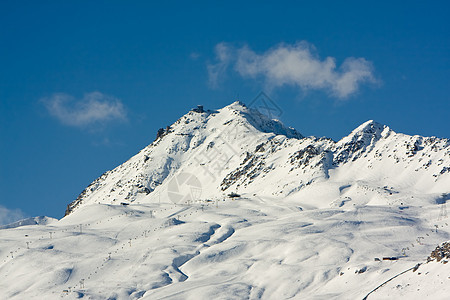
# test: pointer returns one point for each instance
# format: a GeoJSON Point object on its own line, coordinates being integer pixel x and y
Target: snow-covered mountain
{"type": "Point", "coordinates": [237, 149]}
{"type": "Point", "coordinates": [233, 205]}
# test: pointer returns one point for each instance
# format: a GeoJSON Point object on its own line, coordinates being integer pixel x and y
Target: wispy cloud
{"type": "Point", "coordinates": [296, 65]}
{"type": "Point", "coordinates": [93, 109]}
{"type": "Point", "coordinates": [224, 56]}
{"type": "Point", "coordinates": [8, 216]}
{"type": "Point", "coordinates": [194, 55]}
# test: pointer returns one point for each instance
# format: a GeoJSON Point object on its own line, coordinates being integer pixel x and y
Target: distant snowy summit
{"type": "Point", "coordinates": [238, 149]}
{"type": "Point", "coordinates": [30, 221]}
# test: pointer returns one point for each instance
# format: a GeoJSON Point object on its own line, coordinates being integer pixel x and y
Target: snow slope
{"type": "Point", "coordinates": [312, 218]}
{"type": "Point", "coordinates": [42, 220]}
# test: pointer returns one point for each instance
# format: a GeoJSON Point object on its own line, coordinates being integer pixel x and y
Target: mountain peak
{"type": "Point", "coordinates": [248, 151]}
{"type": "Point", "coordinates": [361, 139]}
{"type": "Point", "coordinates": [370, 126]}
{"type": "Point", "coordinates": [239, 113]}
{"type": "Point", "coordinates": [236, 105]}
{"type": "Point", "coordinates": [367, 131]}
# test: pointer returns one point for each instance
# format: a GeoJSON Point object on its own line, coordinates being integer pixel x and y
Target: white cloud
{"type": "Point", "coordinates": [295, 65]}
{"type": "Point", "coordinates": [224, 57]}
{"type": "Point", "coordinates": [194, 55]}
{"type": "Point", "coordinates": [93, 109]}
{"type": "Point", "coordinates": [8, 216]}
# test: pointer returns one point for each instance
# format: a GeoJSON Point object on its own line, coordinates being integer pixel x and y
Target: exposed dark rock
{"type": "Point", "coordinates": [233, 195]}
{"type": "Point", "coordinates": [260, 148]}
{"type": "Point", "coordinates": [303, 157]}
{"type": "Point", "coordinates": [412, 149]}
{"type": "Point", "coordinates": [145, 190]}
{"type": "Point", "coordinates": [199, 109]}
{"type": "Point", "coordinates": [160, 133]}
{"type": "Point", "coordinates": [441, 252]}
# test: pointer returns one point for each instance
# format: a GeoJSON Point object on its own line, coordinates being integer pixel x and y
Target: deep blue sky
{"type": "Point", "coordinates": [152, 60]}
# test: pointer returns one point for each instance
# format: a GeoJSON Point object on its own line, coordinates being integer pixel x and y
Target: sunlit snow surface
{"type": "Point", "coordinates": [245, 248]}
{"type": "Point", "coordinates": [316, 219]}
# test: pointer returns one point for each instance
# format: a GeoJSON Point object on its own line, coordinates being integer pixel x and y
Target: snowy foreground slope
{"type": "Point", "coordinates": [311, 219]}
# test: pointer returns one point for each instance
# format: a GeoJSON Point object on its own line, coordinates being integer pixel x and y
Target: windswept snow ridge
{"type": "Point", "coordinates": [229, 204]}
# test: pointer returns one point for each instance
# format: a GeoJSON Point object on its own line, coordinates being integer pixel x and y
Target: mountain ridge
{"type": "Point", "coordinates": [242, 142]}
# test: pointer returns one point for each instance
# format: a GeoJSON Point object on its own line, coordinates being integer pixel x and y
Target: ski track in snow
{"type": "Point", "coordinates": [201, 254]}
